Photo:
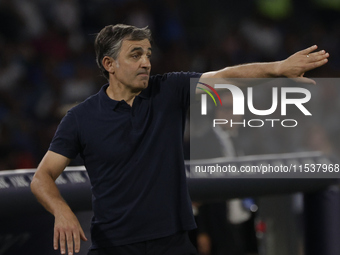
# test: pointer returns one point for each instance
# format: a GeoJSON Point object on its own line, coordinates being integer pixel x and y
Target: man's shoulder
{"type": "Point", "coordinates": [88, 105]}
{"type": "Point", "coordinates": [172, 80]}
{"type": "Point", "coordinates": [173, 76]}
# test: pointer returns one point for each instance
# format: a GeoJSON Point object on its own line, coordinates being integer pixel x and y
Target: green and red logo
{"type": "Point", "coordinates": [204, 97]}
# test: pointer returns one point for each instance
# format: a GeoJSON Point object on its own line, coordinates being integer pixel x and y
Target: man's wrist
{"type": "Point", "coordinates": [61, 209]}
{"type": "Point", "coordinates": [277, 69]}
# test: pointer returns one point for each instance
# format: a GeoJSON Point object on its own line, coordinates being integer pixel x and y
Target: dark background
{"type": "Point", "coordinates": [47, 64]}
{"type": "Point", "coordinates": [47, 61]}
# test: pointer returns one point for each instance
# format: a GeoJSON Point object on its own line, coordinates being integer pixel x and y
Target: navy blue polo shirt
{"type": "Point", "coordinates": [134, 158]}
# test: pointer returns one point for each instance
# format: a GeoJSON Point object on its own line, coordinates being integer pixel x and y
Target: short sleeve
{"type": "Point", "coordinates": [185, 83]}
{"type": "Point", "coordinates": [66, 139]}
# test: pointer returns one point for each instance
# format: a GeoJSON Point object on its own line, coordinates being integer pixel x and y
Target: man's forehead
{"type": "Point", "coordinates": [129, 45]}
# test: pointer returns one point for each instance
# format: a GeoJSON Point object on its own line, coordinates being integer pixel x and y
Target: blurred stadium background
{"type": "Point", "coordinates": [47, 64]}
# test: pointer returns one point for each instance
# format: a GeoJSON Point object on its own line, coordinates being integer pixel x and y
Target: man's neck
{"type": "Point", "coordinates": [119, 93]}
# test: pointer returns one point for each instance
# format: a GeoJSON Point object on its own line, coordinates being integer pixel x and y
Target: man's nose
{"type": "Point", "coordinates": [146, 62]}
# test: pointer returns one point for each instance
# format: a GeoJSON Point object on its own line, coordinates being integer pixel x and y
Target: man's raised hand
{"type": "Point", "coordinates": [302, 61]}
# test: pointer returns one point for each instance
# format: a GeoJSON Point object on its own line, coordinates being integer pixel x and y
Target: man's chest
{"type": "Point", "coordinates": [118, 134]}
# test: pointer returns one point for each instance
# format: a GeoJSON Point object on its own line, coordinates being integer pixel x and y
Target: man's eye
{"type": "Point", "coordinates": [149, 56]}
{"type": "Point", "coordinates": [135, 56]}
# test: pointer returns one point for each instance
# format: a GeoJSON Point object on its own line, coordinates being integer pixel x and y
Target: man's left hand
{"type": "Point", "coordinates": [302, 61]}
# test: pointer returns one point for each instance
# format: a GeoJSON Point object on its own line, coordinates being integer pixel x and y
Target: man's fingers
{"type": "Point", "coordinates": [62, 242]}
{"type": "Point", "coordinates": [300, 62]}
{"type": "Point", "coordinates": [69, 232]}
{"type": "Point", "coordinates": [76, 242]}
{"type": "Point", "coordinates": [308, 50]}
{"type": "Point", "coordinates": [82, 235]}
{"type": "Point", "coordinates": [316, 64]}
{"type": "Point", "coordinates": [317, 56]}
{"type": "Point", "coordinates": [69, 237]}
{"type": "Point", "coordinates": [56, 239]}
{"type": "Point", "coordinates": [314, 60]}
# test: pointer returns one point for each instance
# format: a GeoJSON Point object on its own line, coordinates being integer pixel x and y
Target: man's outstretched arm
{"type": "Point", "coordinates": [66, 227]}
{"type": "Point", "coordinates": [293, 67]}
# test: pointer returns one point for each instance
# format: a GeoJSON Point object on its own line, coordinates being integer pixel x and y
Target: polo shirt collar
{"type": "Point", "coordinates": [105, 98]}
{"type": "Point", "coordinates": [114, 103]}
{"type": "Point", "coordinates": [145, 94]}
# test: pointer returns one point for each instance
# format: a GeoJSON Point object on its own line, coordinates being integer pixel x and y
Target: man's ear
{"type": "Point", "coordinates": [109, 64]}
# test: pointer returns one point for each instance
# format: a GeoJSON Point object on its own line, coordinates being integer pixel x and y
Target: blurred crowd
{"type": "Point", "coordinates": [47, 61]}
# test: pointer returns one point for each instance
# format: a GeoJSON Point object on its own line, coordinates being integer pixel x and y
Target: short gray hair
{"type": "Point", "coordinates": [109, 41]}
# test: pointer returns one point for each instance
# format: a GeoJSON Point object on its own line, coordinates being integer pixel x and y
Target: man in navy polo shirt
{"type": "Point", "coordinates": [129, 135]}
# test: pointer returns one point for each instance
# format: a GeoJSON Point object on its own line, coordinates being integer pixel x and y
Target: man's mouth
{"type": "Point", "coordinates": [143, 74]}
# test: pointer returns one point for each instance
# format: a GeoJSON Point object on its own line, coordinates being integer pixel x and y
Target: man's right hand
{"type": "Point", "coordinates": [67, 230]}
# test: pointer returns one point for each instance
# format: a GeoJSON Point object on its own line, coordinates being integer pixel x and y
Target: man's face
{"type": "Point", "coordinates": [133, 64]}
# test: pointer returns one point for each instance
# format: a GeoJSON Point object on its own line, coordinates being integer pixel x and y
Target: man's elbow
{"type": "Point", "coordinates": [208, 75]}
{"type": "Point", "coordinates": [34, 185]}
{"type": "Point", "coordinates": [39, 178]}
